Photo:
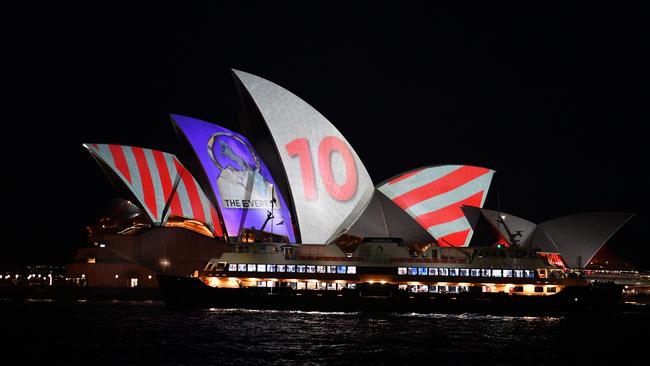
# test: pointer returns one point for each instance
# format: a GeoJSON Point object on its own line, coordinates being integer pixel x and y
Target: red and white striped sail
{"type": "Point", "coordinates": [157, 180]}
{"type": "Point", "coordinates": [434, 196]}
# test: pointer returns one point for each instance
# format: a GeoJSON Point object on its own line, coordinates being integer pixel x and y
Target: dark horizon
{"type": "Point", "coordinates": [554, 101]}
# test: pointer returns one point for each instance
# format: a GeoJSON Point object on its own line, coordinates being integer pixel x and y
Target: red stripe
{"type": "Point", "coordinates": [120, 161]}
{"type": "Point", "coordinates": [456, 239]}
{"type": "Point", "coordinates": [215, 222]}
{"type": "Point", "coordinates": [442, 185]}
{"type": "Point", "coordinates": [176, 208]}
{"type": "Point", "coordinates": [163, 172]}
{"type": "Point", "coordinates": [192, 192]}
{"type": "Point", "coordinates": [145, 178]}
{"type": "Point", "coordinates": [449, 213]}
{"type": "Point", "coordinates": [166, 182]}
{"type": "Point", "coordinates": [404, 176]}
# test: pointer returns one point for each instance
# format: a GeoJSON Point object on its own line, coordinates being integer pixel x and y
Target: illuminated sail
{"type": "Point", "coordinates": [240, 180]}
{"type": "Point", "coordinates": [579, 237]}
{"type": "Point", "coordinates": [159, 182]}
{"type": "Point", "coordinates": [329, 185]}
{"type": "Point", "coordinates": [434, 197]}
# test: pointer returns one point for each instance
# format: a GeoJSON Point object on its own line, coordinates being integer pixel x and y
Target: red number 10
{"type": "Point", "coordinates": [327, 146]}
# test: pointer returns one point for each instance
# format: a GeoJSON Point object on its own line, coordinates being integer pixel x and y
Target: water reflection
{"type": "Point", "coordinates": [148, 332]}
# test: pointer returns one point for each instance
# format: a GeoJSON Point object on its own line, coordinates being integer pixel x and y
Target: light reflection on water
{"type": "Point", "coordinates": [127, 332]}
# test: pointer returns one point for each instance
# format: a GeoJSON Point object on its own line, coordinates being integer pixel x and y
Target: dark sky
{"type": "Point", "coordinates": [554, 99]}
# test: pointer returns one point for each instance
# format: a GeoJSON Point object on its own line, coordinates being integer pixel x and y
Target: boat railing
{"type": "Point", "coordinates": [431, 260]}
{"type": "Point", "coordinates": [329, 258]}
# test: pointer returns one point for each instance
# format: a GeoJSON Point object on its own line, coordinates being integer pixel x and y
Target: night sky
{"type": "Point", "coordinates": [553, 99]}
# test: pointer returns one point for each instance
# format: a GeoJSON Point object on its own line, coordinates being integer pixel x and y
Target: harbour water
{"type": "Point", "coordinates": [147, 332]}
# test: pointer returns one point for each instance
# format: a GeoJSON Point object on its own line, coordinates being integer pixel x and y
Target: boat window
{"type": "Point", "coordinates": [340, 286]}
{"type": "Point", "coordinates": [331, 269]}
{"type": "Point", "coordinates": [232, 267]}
{"type": "Point", "coordinates": [352, 286]}
{"type": "Point", "coordinates": [341, 269]}
{"type": "Point", "coordinates": [271, 283]}
{"type": "Point", "coordinates": [433, 289]}
{"type": "Point", "coordinates": [402, 287]}
{"type": "Point", "coordinates": [413, 271]}
{"type": "Point", "coordinates": [518, 273]}
{"type": "Point", "coordinates": [518, 289]}
{"type": "Point", "coordinates": [422, 271]}
{"type": "Point", "coordinates": [401, 271]}
{"type": "Point", "coordinates": [281, 268]}
{"type": "Point", "coordinates": [433, 271]}
{"type": "Point", "coordinates": [293, 285]}
{"type": "Point", "coordinates": [352, 269]}
{"type": "Point", "coordinates": [539, 289]}
{"type": "Point", "coordinates": [496, 273]}
{"type": "Point", "coordinates": [331, 286]}
{"type": "Point", "coordinates": [542, 273]}
{"type": "Point", "coordinates": [251, 267]}
{"type": "Point", "coordinates": [464, 272]}
{"type": "Point", "coordinates": [241, 267]}
{"type": "Point", "coordinates": [291, 268]}
{"type": "Point", "coordinates": [322, 286]}
{"type": "Point", "coordinates": [220, 266]}
{"type": "Point", "coordinates": [453, 289]}
{"type": "Point", "coordinates": [551, 289]}
{"type": "Point", "coordinates": [413, 288]}
{"type": "Point", "coordinates": [485, 272]}
{"type": "Point", "coordinates": [507, 273]}
{"type": "Point", "coordinates": [453, 271]}
{"type": "Point", "coordinates": [311, 285]}
{"type": "Point", "coordinates": [443, 271]}
{"type": "Point", "coordinates": [529, 273]}
{"type": "Point", "coordinates": [463, 288]}
{"type": "Point", "coordinates": [320, 269]}
{"type": "Point", "coordinates": [311, 269]}
{"type": "Point", "coordinates": [301, 285]}
{"type": "Point", "coordinates": [301, 268]}
{"type": "Point", "coordinates": [270, 267]}
{"type": "Point", "coordinates": [475, 272]}
{"type": "Point", "coordinates": [261, 283]}
{"type": "Point", "coordinates": [423, 288]}
{"type": "Point", "coordinates": [261, 268]}
{"type": "Point", "coordinates": [442, 289]}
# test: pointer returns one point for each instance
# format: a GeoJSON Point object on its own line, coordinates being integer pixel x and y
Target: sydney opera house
{"type": "Point", "coordinates": [291, 177]}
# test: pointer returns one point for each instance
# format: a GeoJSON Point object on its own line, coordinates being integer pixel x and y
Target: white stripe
{"type": "Point", "coordinates": [173, 175]}
{"type": "Point", "coordinates": [420, 179]}
{"type": "Point", "coordinates": [458, 194]}
{"type": "Point", "coordinates": [469, 238]}
{"type": "Point", "coordinates": [106, 155]}
{"type": "Point", "coordinates": [450, 227]}
{"type": "Point", "coordinates": [136, 182]}
{"type": "Point", "coordinates": [157, 185]}
{"type": "Point", "coordinates": [184, 198]}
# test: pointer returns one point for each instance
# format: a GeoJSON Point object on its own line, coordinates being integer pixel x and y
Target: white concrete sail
{"type": "Point", "coordinates": [329, 185]}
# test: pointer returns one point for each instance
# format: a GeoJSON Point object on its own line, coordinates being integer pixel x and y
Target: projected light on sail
{"type": "Point", "coordinates": [159, 182]}
{"type": "Point", "coordinates": [329, 185]}
{"type": "Point", "coordinates": [241, 182]}
{"type": "Point", "coordinates": [434, 197]}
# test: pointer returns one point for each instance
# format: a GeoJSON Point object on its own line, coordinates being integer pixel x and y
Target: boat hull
{"type": "Point", "coordinates": [179, 291]}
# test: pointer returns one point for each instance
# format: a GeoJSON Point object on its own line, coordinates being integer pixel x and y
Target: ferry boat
{"type": "Point", "coordinates": [382, 274]}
